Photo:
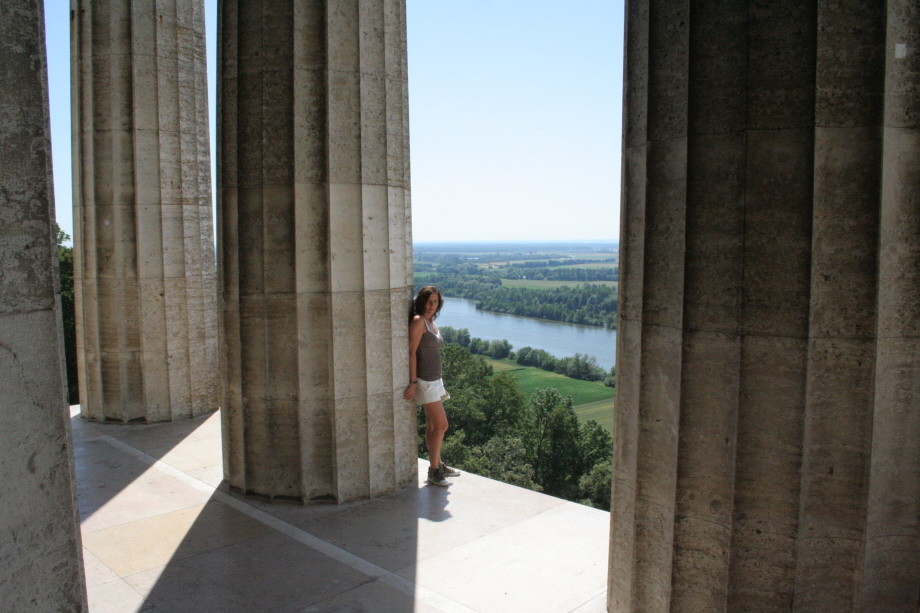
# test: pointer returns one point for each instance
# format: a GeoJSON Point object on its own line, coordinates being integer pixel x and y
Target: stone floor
{"type": "Point", "coordinates": [160, 534]}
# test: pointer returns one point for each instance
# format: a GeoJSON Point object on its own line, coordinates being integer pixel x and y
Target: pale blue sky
{"type": "Point", "coordinates": [515, 113]}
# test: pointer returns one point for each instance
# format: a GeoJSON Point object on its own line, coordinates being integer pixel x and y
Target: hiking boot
{"type": "Point", "coordinates": [448, 471]}
{"type": "Point", "coordinates": [436, 477]}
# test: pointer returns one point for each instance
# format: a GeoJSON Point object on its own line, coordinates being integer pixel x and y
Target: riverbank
{"type": "Point", "coordinates": [556, 338]}
{"type": "Point", "coordinates": [591, 399]}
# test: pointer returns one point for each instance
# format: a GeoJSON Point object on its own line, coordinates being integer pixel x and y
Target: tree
{"type": "Point", "coordinates": [478, 345]}
{"type": "Point", "coordinates": [595, 444]}
{"type": "Point", "coordinates": [585, 367]}
{"type": "Point", "coordinates": [505, 459]}
{"type": "Point", "coordinates": [499, 349]}
{"type": "Point", "coordinates": [553, 442]}
{"type": "Point", "coordinates": [594, 486]}
{"type": "Point", "coordinates": [448, 334]}
{"type": "Point", "coordinates": [566, 303]}
{"type": "Point", "coordinates": [456, 450]}
{"type": "Point", "coordinates": [507, 410]}
{"type": "Point", "coordinates": [65, 271]}
{"type": "Point", "coordinates": [537, 444]}
{"type": "Point", "coordinates": [523, 356]}
{"type": "Point", "coordinates": [466, 378]}
{"type": "Point", "coordinates": [451, 335]}
{"type": "Point", "coordinates": [611, 379]}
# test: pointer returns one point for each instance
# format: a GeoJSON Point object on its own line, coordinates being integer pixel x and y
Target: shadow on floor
{"type": "Point", "coordinates": [109, 457]}
{"type": "Point", "coordinates": [163, 534]}
{"type": "Point", "coordinates": [157, 519]}
{"type": "Point", "coordinates": [243, 555]}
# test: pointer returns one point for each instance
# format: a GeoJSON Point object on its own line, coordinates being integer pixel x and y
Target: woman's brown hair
{"type": "Point", "coordinates": [418, 305]}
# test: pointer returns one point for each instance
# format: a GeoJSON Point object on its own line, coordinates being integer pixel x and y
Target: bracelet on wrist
{"type": "Point", "coordinates": [413, 382]}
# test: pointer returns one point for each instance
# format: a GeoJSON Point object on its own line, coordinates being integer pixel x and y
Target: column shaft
{"type": "Point", "coordinates": [711, 379]}
{"type": "Point", "coordinates": [892, 564]}
{"type": "Point", "coordinates": [315, 249]}
{"type": "Point", "coordinates": [144, 271]}
{"type": "Point", "coordinates": [40, 554]}
{"type": "Point", "coordinates": [767, 403]}
{"type": "Point", "coordinates": [842, 313]}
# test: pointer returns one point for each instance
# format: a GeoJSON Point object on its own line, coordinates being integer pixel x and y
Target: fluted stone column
{"type": "Point", "coordinates": [315, 248]}
{"type": "Point", "coordinates": [40, 554]}
{"type": "Point", "coordinates": [144, 269]}
{"type": "Point", "coordinates": [892, 567]}
{"type": "Point", "coordinates": [768, 408]}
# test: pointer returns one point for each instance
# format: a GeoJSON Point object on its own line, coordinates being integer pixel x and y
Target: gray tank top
{"type": "Point", "coordinates": [428, 355]}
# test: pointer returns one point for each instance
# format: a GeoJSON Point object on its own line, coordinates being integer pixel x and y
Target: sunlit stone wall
{"type": "Point", "coordinates": [144, 265]}
{"type": "Point", "coordinates": [315, 248]}
{"type": "Point", "coordinates": [768, 406]}
{"type": "Point", "coordinates": [41, 567]}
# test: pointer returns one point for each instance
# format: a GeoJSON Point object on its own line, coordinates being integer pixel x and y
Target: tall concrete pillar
{"type": "Point", "coordinates": [315, 248]}
{"type": "Point", "coordinates": [767, 454]}
{"type": "Point", "coordinates": [40, 554]}
{"type": "Point", "coordinates": [892, 565]}
{"type": "Point", "coordinates": [144, 266]}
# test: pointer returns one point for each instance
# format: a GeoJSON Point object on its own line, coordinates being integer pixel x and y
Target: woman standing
{"type": "Point", "coordinates": [425, 384]}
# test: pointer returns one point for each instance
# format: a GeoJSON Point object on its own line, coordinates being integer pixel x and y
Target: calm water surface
{"type": "Point", "coordinates": [557, 338]}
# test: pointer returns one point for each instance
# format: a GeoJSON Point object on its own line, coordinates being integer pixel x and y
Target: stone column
{"type": "Point", "coordinates": [40, 554]}
{"type": "Point", "coordinates": [767, 407]}
{"type": "Point", "coordinates": [892, 564]}
{"type": "Point", "coordinates": [315, 248]}
{"type": "Point", "coordinates": [144, 269]}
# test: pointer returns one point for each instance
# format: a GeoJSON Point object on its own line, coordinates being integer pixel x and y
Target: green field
{"type": "Point", "coordinates": [600, 411]}
{"type": "Point", "coordinates": [591, 265]}
{"type": "Point", "coordinates": [541, 283]}
{"type": "Point", "coordinates": [422, 277]}
{"type": "Point", "coordinates": [502, 263]}
{"type": "Point", "coordinates": [592, 399]}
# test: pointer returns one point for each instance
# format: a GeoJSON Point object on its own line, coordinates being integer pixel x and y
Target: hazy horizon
{"type": "Point", "coordinates": [561, 241]}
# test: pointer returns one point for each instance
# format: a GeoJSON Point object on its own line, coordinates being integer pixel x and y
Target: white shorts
{"type": "Point", "coordinates": [430, 391]}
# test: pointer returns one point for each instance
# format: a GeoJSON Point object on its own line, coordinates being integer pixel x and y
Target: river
{"type": "Point", "coordinates": [557, 338]}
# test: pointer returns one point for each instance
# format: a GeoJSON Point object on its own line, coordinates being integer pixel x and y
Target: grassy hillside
{"type": "Point", "coordinates": [600, 411]}
{"type": "Point", "coordinates": [592, 399]}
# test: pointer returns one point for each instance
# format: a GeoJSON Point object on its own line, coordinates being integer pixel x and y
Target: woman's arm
{"type": "Point", "coordinates": [416, 330]}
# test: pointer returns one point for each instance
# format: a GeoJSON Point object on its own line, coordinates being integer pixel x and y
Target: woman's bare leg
{"type": "Point", "coordinates": [435, 427]}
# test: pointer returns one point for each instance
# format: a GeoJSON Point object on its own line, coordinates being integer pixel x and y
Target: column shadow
{"type": "Point", "coordinates": [194, 545]}
{"type": "Point", "coordinates": [242, 554]}
{"type": "Point", "coordinates": [110, 457]}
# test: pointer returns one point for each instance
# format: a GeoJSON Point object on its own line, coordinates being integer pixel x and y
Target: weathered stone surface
{"type": "Point", "coordinates": [315, 249]}
{"type": "Point", "coordinates": [767, 403]}
{"type": "Point", "coordinates": [892, 550]}
{"type": "Point", "coordinates": [145, 281]}
{"type": "Point", "coordinates": [40, 554]}
{"type": "Point", "coordinates": [850, 64]}
{"type": "Point", "coordinates": [706, 473]}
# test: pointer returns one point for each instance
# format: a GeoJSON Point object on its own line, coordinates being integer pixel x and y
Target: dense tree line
{"type": "Point", "coordinates": [538, 443]}
{"type": "Point", "coordinates": [454, 265]}
{"type": "Point", "coordinates": [556, 274]}
{"type": "Point", "coordinates": [578, 366]}
{"type": "Point", "coordinates": [520, 258]}
{"type": "Point", "coordinates": [497, 349]}
{"type": "Point", "coordinates": [65, 268]}
{"type": "Point", "coordinates": [551, 270]}
{"type": "Point", "coordinates": [460, 285]}
{"type": "Point", "coordinates": [560, 262]}
{"type": "Point", "coordinates": [582, 275]}
{"type": "Point", "coordinates": [592, 305]}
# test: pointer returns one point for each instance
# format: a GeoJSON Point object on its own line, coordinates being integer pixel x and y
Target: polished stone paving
{"type": "Point", "coordinates": [161, 534]}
